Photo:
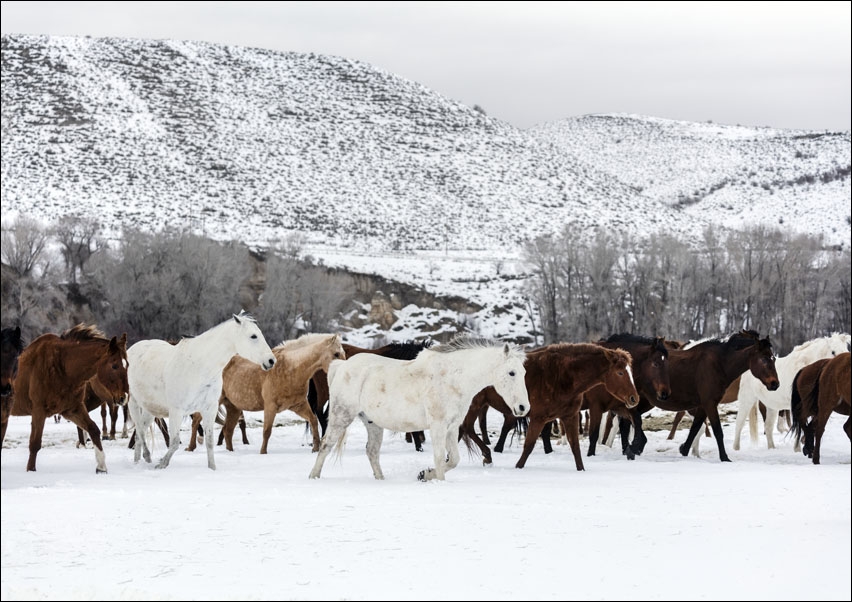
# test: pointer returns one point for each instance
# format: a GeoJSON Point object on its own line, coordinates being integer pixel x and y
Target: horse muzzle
{"type": "Point", "coordinates": [632, 401]}
{"type": "Point", "coordinates": [773, 385]}
{"type": "Point", "coordinates": [521, 410]}
{"type": "Point", "coordinates": [267, 365]}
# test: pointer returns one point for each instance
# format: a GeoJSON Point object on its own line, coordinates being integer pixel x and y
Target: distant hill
{"type": "Point", "coordinates": [253, 144]}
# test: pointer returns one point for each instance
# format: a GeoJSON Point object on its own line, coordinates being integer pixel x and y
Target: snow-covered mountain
{"type": "Point", "coordinates": [251, 144]}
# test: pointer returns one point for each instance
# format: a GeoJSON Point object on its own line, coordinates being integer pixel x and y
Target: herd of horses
{"type": "Point", "coordinates": [413, 387]}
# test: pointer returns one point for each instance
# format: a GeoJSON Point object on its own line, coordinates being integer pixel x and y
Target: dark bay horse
{"type": "Point", "coordinates": [650, 372]}
{"type": "Point", "coordinates": [699, 374]}
{"type": "Point", "coordinates": [11, 346]}
{"type": "Point", "coordinates": [318, 387]}
{"type": "Point", "coordinates": [557, 375]}
{"type": "Point", "coordinates": [54, 373]}
{"type": "Point", "coordinates": [819, 389]}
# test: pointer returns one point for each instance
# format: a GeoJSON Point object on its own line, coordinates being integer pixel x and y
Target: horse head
{"type": "Point", "coordinates": [510, 379]}
{"type": "Point", "coordinates": [110, 380]}
{"type": "Point", "coordinates": [762, 364]}
{"type": "Point", "coordinates": [655, 369]}
{"type": "Point", "coordinates": [250, 343]}
{"type": "Point", "coordinates": [333, 351]}
{"type": "Point", "coordinates": [618, 378]}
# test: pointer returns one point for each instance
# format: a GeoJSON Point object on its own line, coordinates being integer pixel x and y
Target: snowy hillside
{"type": "Point", "coordinates": [380, 174]}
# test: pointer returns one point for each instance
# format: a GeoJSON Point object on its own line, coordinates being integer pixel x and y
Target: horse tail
{"type": "Point", "coordinates": [472, 449]}
{"type": "Point", "coordinates": [752, 423]}
{"type": "Point", "coordinates": [796, 411]}
{"type": "Point", "coordinates": [339, 445]}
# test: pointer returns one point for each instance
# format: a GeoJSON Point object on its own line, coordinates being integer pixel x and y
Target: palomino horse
{"type": "Point", "coordinates": [245, 387]}
{"type": "Point", "coordinates": [432, 391]}
{"type": "Point", "coordinates": [11, 346]}
{"type": "Point", "coordinates": [819, 389]}
{"type": "Point", "coordinates": [318, 391]}
{"type": "Point", "coordinates": [54, 373]}
{"type": "Point", "coordinates": [699, 375]}
{"type": "Point", "coordinates": [557, 377]}
{"type": "Point", "coordinates": [177, 380]}
{"type": "Point", "coordinates": [752, 391]}
{"type": "Point", "coordinates": [650, 372]}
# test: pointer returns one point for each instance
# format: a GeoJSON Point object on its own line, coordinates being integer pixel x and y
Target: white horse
{"type": "Point", "coordinates": [432, 391]}
{"type": "Point", "coordinates": [752, 391]}
{"type": "Point", "coordinates": [175, 381]}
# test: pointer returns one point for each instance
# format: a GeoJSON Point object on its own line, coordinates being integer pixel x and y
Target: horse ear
{"type": "Point", "coordinates": [113, 345]}
{"type": "Point", "coordinates": [237, 319]}
{"type": "Point", "coordinates": [123, 340]}
{"type": "Point", "coordinates": [17, 332]}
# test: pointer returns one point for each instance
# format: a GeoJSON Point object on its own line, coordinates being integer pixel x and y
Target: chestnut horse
{"type": "Point", "coordinates": [11, 346]}
{"type": "Point", "coordinates": [699, 374]}
{"type": "Point", "coordinates": [246, 387]}
{"type": "Point", "coordinates": [54, 374]}
{"type": "Point", "coordinates": [558, 375]}
{"type": "Point", "coordinates": [819, 389]}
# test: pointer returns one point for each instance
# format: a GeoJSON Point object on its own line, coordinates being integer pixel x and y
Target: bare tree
{"type": "Point", "coordinates": [78, 238]}
{"type": "Point", "coordinates": [23, 246]}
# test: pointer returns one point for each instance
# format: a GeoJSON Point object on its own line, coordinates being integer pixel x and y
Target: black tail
{"type": "Point", "coordinates": [802, 411]}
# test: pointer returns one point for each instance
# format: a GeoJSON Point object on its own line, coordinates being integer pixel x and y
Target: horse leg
{"type": "Point", "coordinates": [419, 440]}
{"type": "Point", "coordinates": [639, 438]}
{"type": "Point", "coordinates": [142, 419]}
{"type": "Point", "coordinates": [546, 433]}
{"type": "Point", "coordinates": [697, 423]}
{"type": "Point", "coordinates": [624, 432]}
{"type": "Point", "coordinates": [593, 425]}
{"type": "Point", "coordinates": [375, 434]}
{"type": "Point", "coordinates": [81, 438]}
{"type": "Point", "coordinates": [483, 424]}
{"type": "Point", "coordinates": [744, 411]}
{"type": "Point", "coordinates": [439, 454]}
{"type": "Point", "coordinates": [452, 446]}
{"type": "Point", "coordinates": [468, 433]}
{"type": "Point", "coordinates": [608, 436]}
{"type": "Point", "coordinates": [303, 409]}
{"type": "Point", "coordinates": [196, 422]}
{"type": "Point", "coordinates": [104, 411]}
{"type": "Point", "coordinates": [571, 424]}
{"type": "Point", "coordinates": [242, 423]}
{"type": "Point", "coordinates": [208, 420]}
{"type": "Point", "coordinates": [113, 419]}
{"type": "Point", "coordinates": [81, 418]}
{"type": "Point", "coordinates": [174, 439]}
{"type": "Point", "coordinates": [533, 431]}
{"type": "Point", "coordinates": [231, 418]}
{"type": "Point", "coordinates": [771, 419]}
{"type": "Point", "coordinates": [677, 418]}
{"type": "Point", "coordinates": [509, 423]}
{"type": "Point", "coordinates": [269, 412]}
{"type": "Point", "coordinates": [36, 432]}
{"type": "Point", "coordinates": [338, 422]}
{"type": "Point", "coordinates": [124, 413]}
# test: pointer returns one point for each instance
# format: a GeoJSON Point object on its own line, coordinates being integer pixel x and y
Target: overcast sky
{"type": "Point", "coordinates": [782, 64]}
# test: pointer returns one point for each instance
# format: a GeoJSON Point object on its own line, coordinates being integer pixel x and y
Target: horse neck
{"type": "Point", "coordinates": [211, 350]}
{"type": "Point", "coordinates": [82, 358]}
{"type": "Point", "coordinates": [478, 371]}
{"type": "Point", "coordinates": [303, 362]}
{"type": "Point", "coordinates": [736, 362]}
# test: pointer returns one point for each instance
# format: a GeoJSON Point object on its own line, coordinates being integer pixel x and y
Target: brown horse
{"type": "Point", "coordinates": [11, 346]}
{"type": "Point", "coordinates": [318, 391]}
{"type": "Point", "coordinates": [557, 375]}
{"type": "Point", "coordinates": [819, 389]}
{"type": "Point", "coordinates": [54, 373]}
{"type": "Point", "coordinates": [700, 373]}
{"type": "Point", "coordinates": [246, 387]}
{"type": "Point", "coordinates": [650, 372]}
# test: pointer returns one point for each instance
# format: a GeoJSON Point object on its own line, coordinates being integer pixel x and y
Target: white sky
{"type": "Point", "coordinates": [780, 64]}
{"type": "Point", "coordinates": [662, 527]}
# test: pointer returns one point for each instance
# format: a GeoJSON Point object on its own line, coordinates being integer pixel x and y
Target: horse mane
{"type": "Point", "coordinates": [739, 340]}
{"type": "Point", "coordinates": [467, 341]}
{"type": "Point", "coordinates": [304, 340]}
{"type": "Point", "coordinates": [405, 350]}
{"type": "Point", "coordinates": [590, 349]}
{"type": "Point", "coordinates": [83, 332]}
{"type": "Point", "coordinates": [846, 338]}
{"type": "Point", "coordinates": [626, 337]}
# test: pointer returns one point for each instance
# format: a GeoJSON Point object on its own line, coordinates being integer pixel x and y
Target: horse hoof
{"type": "Point", "coordinates": [421, 476]}
{"type": "Point", "coordinates": [684, 450]}
{"type": "Point", "coordinates": [99, 471]}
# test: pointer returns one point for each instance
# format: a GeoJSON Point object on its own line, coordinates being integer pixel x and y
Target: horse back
{"type": "Point", "coordinates": [836, 382]}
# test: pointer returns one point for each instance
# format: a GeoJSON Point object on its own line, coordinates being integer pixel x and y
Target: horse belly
{"type": "Point", "coordinates": [397, 413]}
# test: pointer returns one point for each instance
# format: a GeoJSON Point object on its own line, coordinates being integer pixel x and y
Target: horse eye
{"type": "Point", "coordinates": [115, 366]}
{"type": "Point", "coordinates": [254, 336]}
{"type": "Point", "coordinates": [512, 373]}
{"type": "Point", "coordinates": [336, 354]}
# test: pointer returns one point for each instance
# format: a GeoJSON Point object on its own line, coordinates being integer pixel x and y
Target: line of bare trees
{"type": "Point", "coordinates": [790, 286]}
{"type": "Point", "coordinates": [172, 283]}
